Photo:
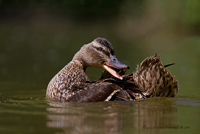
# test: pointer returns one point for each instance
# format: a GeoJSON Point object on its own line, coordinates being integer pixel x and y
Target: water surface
{"type": "Point", "coordinates": [27, 111]}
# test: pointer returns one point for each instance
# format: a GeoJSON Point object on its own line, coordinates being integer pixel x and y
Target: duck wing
{"type": "Point", "coordinates": [155, 79]}
{"type": "Point", "coordinates": [94, 92]}
{"type": "Point", "coordinates": [151, 79]}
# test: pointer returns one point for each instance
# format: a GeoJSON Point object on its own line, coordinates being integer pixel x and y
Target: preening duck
{"type": "Point", "coordinates": [71, 84]}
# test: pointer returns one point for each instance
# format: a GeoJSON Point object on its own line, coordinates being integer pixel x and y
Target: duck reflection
{"type": "Point", "coordinates": [113, 117]}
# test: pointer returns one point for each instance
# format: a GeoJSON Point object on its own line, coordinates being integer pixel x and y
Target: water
{"type": "Point", "coordinates": [27, 111]}
{"type": "Point", "coordinates": [39, 39]}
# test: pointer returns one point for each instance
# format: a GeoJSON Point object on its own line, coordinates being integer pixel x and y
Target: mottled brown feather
{"type": "Point", "coordinates": [71, 84]}
{"type": "Point", "coordinates": [155, 79]}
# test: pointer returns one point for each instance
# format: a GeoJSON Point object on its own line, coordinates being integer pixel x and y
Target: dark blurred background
{"type": "Point", "coordinates": [39, 37]}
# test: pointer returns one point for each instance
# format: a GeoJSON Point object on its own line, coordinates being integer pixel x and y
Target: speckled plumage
{"type": "Point", "coordinates": [71, 84]}
{"type": "Point", "coordinates": [155, 79]}
{"type": "Point", "coordinates": [151, 79]}
{"type": "Point", "coordinates": [64, 84]}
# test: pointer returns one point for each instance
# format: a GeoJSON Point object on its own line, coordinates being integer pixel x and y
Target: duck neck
{"type": "Point", "coordinates": [80, 64]}
{"type": "Point", "coordinates": [79, 57]}
{"type": "Point", "coordinates": [74, 74]}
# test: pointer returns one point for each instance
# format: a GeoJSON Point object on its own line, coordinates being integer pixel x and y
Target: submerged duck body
{"type": "Point", "coordinates": [71, 84]}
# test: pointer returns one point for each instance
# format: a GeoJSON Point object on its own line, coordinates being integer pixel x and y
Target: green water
{"type": "Point", "coordinates": [26, 111]}
{"type": "Point", "coordinates": [37, 39]}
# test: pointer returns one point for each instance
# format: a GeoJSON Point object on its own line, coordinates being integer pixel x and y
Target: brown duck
{"type": "Point", "coordinates": [71, 84]}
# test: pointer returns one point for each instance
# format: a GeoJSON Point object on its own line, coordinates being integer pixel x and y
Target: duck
{"type": "Point", "coordinates": [71, 84]}
{"type": "Point", "coordinates": [151, 79]}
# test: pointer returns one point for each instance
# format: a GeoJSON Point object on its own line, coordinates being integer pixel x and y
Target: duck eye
{"type": "Point", "coordinates": [100, 49]}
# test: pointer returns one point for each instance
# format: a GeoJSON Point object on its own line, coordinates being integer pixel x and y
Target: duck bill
{"type": "Point", "coordinates": [113, 64]}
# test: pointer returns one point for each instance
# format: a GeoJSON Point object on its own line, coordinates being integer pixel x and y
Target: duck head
{"type": "Point", "coordinates": [100, 53]}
